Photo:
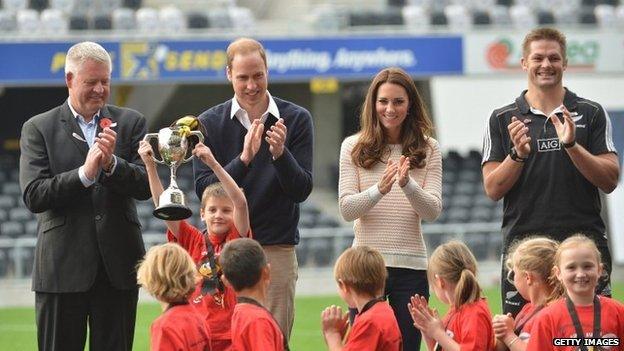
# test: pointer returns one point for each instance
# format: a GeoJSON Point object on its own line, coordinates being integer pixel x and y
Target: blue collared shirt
{"type": "Point", "coordinates": [88, 130]}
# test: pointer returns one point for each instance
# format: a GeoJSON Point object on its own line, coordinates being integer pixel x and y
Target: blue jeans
{"type": "Point", "coordinates": [401, 285]}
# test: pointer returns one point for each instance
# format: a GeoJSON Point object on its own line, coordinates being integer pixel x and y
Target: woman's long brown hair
{"type": "Point", "coordinates": [372, 145]}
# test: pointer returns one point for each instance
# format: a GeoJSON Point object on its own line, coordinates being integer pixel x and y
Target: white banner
{"type": "Point", "coordinates": [500, 52]}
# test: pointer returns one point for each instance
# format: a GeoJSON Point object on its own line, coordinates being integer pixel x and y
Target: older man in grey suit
{"type": "Point", "coordinates": [80, 173]}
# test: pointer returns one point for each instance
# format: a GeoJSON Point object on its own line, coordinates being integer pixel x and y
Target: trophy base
{"type": "Point", "coordinates": [172, 212]}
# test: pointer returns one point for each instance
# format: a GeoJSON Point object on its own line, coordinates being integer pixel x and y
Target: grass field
{"type": "Point", "coordinates": [17, 325]}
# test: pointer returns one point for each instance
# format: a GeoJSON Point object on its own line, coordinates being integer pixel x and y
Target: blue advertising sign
{"type": "Point", "coordinates": [289, 59]}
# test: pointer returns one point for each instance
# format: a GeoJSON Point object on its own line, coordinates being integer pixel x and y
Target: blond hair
{"type": "Point", "coordinates": [455, 263]}
{"type": "Point", "coordinates": [168, 273]}
{"type": "Point", "coordinates": [244, 46]}
{"type": "Point", "coordinates": [363, 269]}
{"type": "Point", "coordinates": [213, 190]}
{"type": "Point", "coordinates": [574, 241]}
{"type": "Point", "coordinates": [537, 255]}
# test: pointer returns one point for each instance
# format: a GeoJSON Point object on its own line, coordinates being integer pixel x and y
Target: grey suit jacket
{"type": "Point", "coordinates": [81, 228]}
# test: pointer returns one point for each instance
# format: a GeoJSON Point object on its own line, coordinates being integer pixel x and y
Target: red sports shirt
{"type": "Point", "coordinates": [376, 329]}
{"type": "Point", "coordinates": [180, 328]}
{"type": "Point", "coordinates": [471, 326]}
{"type": "Point", "coordinates": [253, 328]}
{"type": "Point", "coordinates": [555, 322]}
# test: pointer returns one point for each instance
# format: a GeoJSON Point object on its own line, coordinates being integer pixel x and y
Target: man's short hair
{"type": "Point", "coordinates": [83, 51]}
{"type": "Point", "coordinates": [242, 261]}
{"type": "Point", "coordinates": [363, 269]}
{"type": "Point", "coordinates": [244, 46]}
{"type": "Point", "coordinates": [544, 34]}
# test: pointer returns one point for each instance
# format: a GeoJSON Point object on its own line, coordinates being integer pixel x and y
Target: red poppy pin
{"type": "Point", "coordinates": [107, 123]}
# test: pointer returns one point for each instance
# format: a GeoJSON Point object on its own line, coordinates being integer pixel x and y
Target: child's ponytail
{"type": "Point", "coordinates": [455, 263]}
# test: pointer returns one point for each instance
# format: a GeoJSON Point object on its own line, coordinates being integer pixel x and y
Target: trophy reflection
{"type": "Point", "coordinates": [173, 146]}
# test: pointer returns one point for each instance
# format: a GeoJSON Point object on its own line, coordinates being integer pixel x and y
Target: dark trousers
{"type": "Point", "coordinates": [401, 285]}
{"type": "Point", "coordinates": [62, 318]}
{"type": "Point", "coordinates": [513, 302]}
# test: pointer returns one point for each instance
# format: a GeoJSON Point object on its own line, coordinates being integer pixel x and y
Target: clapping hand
{"type": "Point", "coordinates": [519, 134]}
{"type": "Point", "coordinates": [503, 325]}
{"type": "Point", "coordinates": [276, 137]}
{"type": "Point", "coordinates": [388, 178]}
{"type": "Point", "coordinates": [333, 321]}
{"type": "Point", "coordinates": [425, 318]}
{"type": "Point", "coordinates": [566, 131]}
{"type": "Point", "coordinates": [106, 141]}
{"type": "Point", "coordinates": [403, 170]}
{"type": "Point", "coordinates": [253, 138]}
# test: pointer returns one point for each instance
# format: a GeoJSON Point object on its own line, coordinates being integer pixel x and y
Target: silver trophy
{"type": "Point", "coordinates": [173, 146]}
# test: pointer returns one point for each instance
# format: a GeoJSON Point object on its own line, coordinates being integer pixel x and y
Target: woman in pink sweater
{"type": "Point", "coordinates": [390, 179]}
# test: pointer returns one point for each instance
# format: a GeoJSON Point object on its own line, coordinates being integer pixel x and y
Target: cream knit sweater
{"type": "Point", "coordinates": [390, 223]}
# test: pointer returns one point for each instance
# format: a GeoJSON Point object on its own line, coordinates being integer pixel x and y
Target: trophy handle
{"type": "Point", "coordinates": [199, 136]}
{"type": "Point", "coordinates": [148, 137]}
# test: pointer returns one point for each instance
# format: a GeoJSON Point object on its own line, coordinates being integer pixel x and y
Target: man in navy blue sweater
{"type": "Point", "coordinates": [273, 168]}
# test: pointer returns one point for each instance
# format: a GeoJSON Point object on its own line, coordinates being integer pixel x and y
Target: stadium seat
{"type": "Point", "coordinates": [522, 17]}
{"type": "Point", "coordinates": [38, 5]}
{"type": "Point", "coordinates": [133, 4]}
{"type": "Point", "coordinates": [11, 188]}
{"type": "Point", "coordinates": [567, 15]}
{"type": "Point", "coordinates": [147, 20]}
{"type": "Point", "coordinates": [499, 14]}
{"type": "Point", "coordinates": [83, 7]}
{"type": "Point", "coordinates": [65, 6]}
{"type": "Point", "coordinates": [7, 24]}
{"type": "Point", "coordinates": [54, 22]}
{"type": "Point", "coordinates": [506, 3]}
{"type": "Point", "coordinates": [172, 21]}
{"type": "Point", "coordinates": [415, 17]}
{"type": "Point", "coordinates": [619, 15]}
{"type": "Point", "coordinates": [11, 229]}
{"type": "Point", "coordinates": [27, 24]}
{"type": "Point", "coordinates": [78, 22]}
{"type": "Point", "coordinates": [30, 228]}
{"type": "Point", "coordinates": [397, 3]}
{"type": "Point", "coordinates": [4, 216]}
{"type": "Point", "coordinates": [106, 7]}
{"type": "Point", "coordinates": [220, 18]}
{"type": "Point", "coordinates": [605, 15]}
{"type": "Point", "coordinates": [438, 18]}
{"type": "Point", "coordinates": [481, 18]}
{"type": "Point", "coordinates": [457, 215]}
{"type": "Point", "coordinates": [102, 22]}
{"type": "Point", "coordinates": [14, 6]}
{"type": "Point", "coordinates": [7, 201]}
{"type": "Point", "coordinates": [302, 251]}
{"type": "Point", "coordinates": [20, 214]}
{"type": "Point", "coordinates": [587, 16]}
{"type": "Point", "coordinates": [545, 18]}
{"type": "Point", "coordinates": [458, 18]}
{"type": "Point", "coordinates": [323, 251]}
{"type": "Point", "coordinates": [324, 17]}
{"type": "Point", "coordinates": [123, 19]}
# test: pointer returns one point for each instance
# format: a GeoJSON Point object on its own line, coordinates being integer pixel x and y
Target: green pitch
{"type": "Point", "coordinates": [17, 325]}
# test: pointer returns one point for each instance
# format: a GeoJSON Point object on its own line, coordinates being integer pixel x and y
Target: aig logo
{"type": "Point", "coordinates": [545, 145]}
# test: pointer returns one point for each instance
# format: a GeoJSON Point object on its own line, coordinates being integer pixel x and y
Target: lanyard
{"type": "Point", "coordinates": [211, 274]}
{"type": "Point", "coordinates": [370, 304]}
{"type": "Point", "coordinates": [577, 322]}
{"type": "Point", "coordinates": [249, 300]}
{"type": "Point", "coordinates": [437, 346]}
{"type": "Point", "coordinates": [523, 322]}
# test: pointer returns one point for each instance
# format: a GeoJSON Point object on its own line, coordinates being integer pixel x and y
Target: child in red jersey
{"type": "Point", "coordinates": [169, 274]}
{"type": "Point", "coordinates": [224, 210]}
{"type": "Point", "coordinates": [245, 268]}
{"type": "Point", "coordinates": [361, 274]}
{"type": "Point", "coordinates": [529, 264]}
{"type": "Point", "coordinates": [580, 313]}
{"type": "Point", "coordinates": [452, 273]}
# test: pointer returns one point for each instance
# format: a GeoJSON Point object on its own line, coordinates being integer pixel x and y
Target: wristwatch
{"type": "Point", "coordinates": [514, 156]}
{"type": "Point", "coordinates": [568, 145]}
